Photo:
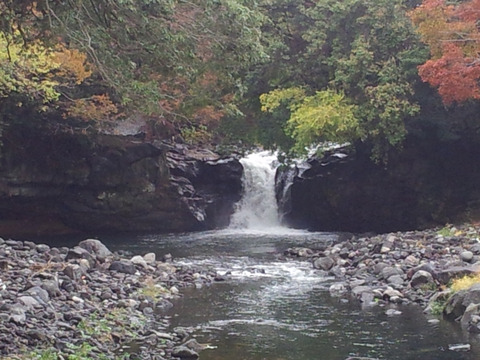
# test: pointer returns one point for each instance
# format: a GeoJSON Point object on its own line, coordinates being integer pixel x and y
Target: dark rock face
{"type": "Point", "coordinates": [345, 191]}
{"type": "Point", "coordinates": [56, 184]}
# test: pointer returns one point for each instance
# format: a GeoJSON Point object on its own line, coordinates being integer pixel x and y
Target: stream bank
{"type": "Point", "coordinates": [405, 267]}
{"type": "Point", "coordinates": [86, 302]}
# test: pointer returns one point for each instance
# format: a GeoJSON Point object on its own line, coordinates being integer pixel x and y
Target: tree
{"type": "Point", "coordinates": [167, 59]}
{"type": "Point", "coordinates": [366, 50]}
{"type": "Point", "coordinates": [452, 34]}
{"type": "Point", "coordinates": [325, 116]}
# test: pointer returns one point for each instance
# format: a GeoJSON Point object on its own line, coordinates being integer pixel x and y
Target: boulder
{"type": "Point", "coordinates": [184, 352]}
{"type": "Point", "coordinates": [421, 277]}
{"type": "Point", "coordinates": [123, 266]}
{"type": "Point", "coordinates": [444, 276]}
{"type": "Point", "coordinates": [459, 301]}
{"type": "Point", "coordinates": [95, 247]}
{"type": "Point", "coordinates": [324, 263]}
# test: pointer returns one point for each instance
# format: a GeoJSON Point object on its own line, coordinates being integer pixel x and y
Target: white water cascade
{"type": "Point", "coordinates": [257, 210]}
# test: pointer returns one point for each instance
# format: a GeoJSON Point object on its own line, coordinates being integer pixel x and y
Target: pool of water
{"type": "Point", "coordinates": [273, 308]}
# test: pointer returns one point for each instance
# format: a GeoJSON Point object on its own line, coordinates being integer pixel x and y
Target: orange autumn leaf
{"type": "Point", "coordinates": [95, 108]}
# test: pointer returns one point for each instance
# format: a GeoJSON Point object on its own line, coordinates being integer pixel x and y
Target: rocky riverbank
{"type": "Point", "coordinates": [87, 302]}
{"type": "Point", "coordinates": [408, 267]}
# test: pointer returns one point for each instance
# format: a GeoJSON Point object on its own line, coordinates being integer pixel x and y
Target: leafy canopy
{"type": "Point", "coordinates": [323, 117]}
{"type": "Point", "coordinates": [451, 31]}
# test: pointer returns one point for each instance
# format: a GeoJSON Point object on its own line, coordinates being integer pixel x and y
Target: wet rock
{"type": "Point", "coordinates": [183, 352]}
{"type": "Point", "coordinates": [459, 301]}
{"type": "Point", "coordinates": [324, 263]}
{"type": "Point", "coordinates": [337, 289]}
{"type": "Point", "coordinates": [393, 312]}
{"type": "Point", "coordinates": [471, 317]}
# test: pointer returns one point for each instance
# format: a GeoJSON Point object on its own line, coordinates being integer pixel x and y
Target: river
{"type": "Point", "coordinates": [273, 308]}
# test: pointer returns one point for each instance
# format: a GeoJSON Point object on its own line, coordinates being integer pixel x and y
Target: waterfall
{"type": "Point", "coordinates": [257, 210]}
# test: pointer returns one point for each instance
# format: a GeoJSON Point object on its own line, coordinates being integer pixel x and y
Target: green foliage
{"type": "Point", "coordinates": [438, 306]}
{"type": "Point", "coordinates": [366, 50]}
{"type": "Point", "coordinates": [325, 116]}
{"type": "Point", "coordinates": [27, 71]}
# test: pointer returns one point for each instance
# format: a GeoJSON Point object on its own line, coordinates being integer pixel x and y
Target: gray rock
{"type": "Point", "coordinates": [95, 247]}
{"type": "Point", "coordinates": [470, 317]}
{"type": "Point", "coordinates": [324, 263]}
{"type": "Point", "coordinates": [123, 266]}
{"type": "Point", "coordinates": [150, 258]}
{"type": "Point", "coordinates": [42, 248]}
{"type": "Point", "coordinates": [466, 256]}
{"type": "Point", "coordinates": [337, 289]}
{"type": "Point", "coordinates": [80, 253]}
{"type": "Point", "coordinates": [420, 278]}
{"type": "Point", "coordinates": [183, 352]}
{"type": "Point", "coordinates": [459, 301]}
{"type": "Point", "coordinates": [74, 271]}
{"type": "Point", "coordinates": [29, 302]}
{"type": "Point", "coordinates": [390, 271]}
{"type": "Point", "coordinates": [393, 312]}
{"type": "Point", "coordinates": [395, 280]}
{"type": "Point", "coordinates": [41, 295]}
{"type": "Point", "coordinates": [475, 249]}
{"type": "Point", "coordinates": [17, 314]}
{"type": "Point", "coordinates": [411, 260]}
{"type": "Point", "coordinates": [446, 275]}
{"type": "Point", "coordinates": [139, 260]}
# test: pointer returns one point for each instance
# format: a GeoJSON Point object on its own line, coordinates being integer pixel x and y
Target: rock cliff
{"type": "Point", "coordinates": [62, 183]}
{"type": "Point", "coordinates": [426, 184]}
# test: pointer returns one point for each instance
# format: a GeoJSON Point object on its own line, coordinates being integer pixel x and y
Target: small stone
{"type": "Point", "coordinates": [466, 256]}
{"type": "Point", "coordinates": [42, 248]}
{"type": "Point", "coordinates": [184, 352]}
{"type": "Point", "coordinates": [41, 295]}
{"type": "Point", "coordinates": [420, 278]}
{"type": "Point", "coordinates": [77, 299]}
{"type": "Point", "coordinates": [17, 314]}
{"type": "Point", "coordinates": [95, 247]}
{"type": "Point", "coordinates": [323, 263]}
{"type": "Point", "coordinates": [411, 260]}
{"type": "Point", "coordinates": [337, 289]}
{"type": "Point", "coordinates": [29, 302]}
{"type": "Point", "coordinates": [80, 253]}
{"type": "Point", "coordinates": [393, 312]}
{"type": "Point", "coordinates": [150, 258]}
{"type": "Point", "coordinates": [395, 280]}
{"type": "Point", "coordinates": [123, 266]}
{"type": "Point", "coordinates": [73, 271]}
{"type": "Point", "coordinates": [139, 260]}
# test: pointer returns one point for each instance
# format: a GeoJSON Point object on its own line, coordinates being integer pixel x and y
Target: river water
{"type": "Point", "coordinates": [273, 308]}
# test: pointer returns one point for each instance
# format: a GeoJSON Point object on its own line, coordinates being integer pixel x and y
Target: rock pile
{"type": "Point", "coordinates": [88, 301]}
{"type": "Point", "coordinates": [401, 268]}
